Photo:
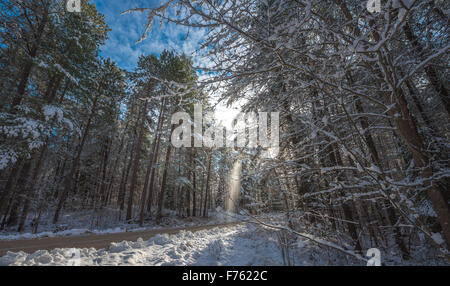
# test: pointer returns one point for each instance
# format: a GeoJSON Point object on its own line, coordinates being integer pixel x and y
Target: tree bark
{"type": "Point", "coordinates": [69, 179]}
{"type": "Point", "coordinates": [205, 210]}
{"type": "Point", "coordinates": [164, 182]}
{"type": "Point", "coordinates": [29, 64]}
{"type": "Point", "coordinates": [150, 165]}
{"type": "Point", "coordinates": [430, 71]}
{"type": "Point", "coordinates": [137, 159]}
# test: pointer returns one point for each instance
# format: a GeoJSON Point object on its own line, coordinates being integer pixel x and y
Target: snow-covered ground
{"type": "Point", "coordinates": [89, 222]}
{"type": "Point", "coordinates": [237, 245]}
{"type": "Point", "coordinates": [242, 245]}
{"type": "Point", "coordinates": [245, 244]}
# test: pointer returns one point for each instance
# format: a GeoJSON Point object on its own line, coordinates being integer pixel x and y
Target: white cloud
{"type": "Point", "coordinates": [127, 29]}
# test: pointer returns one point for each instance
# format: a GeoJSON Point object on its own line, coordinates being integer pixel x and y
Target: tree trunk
{"type": "Point", "coordinates": [194, 210]}
{"type": "Point", "coordinates": [351, 226]}
{"type": "Point", "coordinates": [408, 131]}
{"type": "Point", "coordinates": [205, 210]}
{"type": "Point", "coordinates": [69, 179]}
{"type": "Point", "coordinates": [150, 164]}
{"type": "Point", "coordinates": [10, 183]}
{"type": "Point", "coordinates": [29, 63]}
{"type": "Point", "coordinates": [152, 176]}
{"type": "Point", "coordinates": [137, 159]}
{"type": "Point", "coordinates": [188, 190]}
{"type": "Point", "coordinates": [31, 185]}
{"type": "Point", "coordinates": [164, 182]}
{"type": "Point", "coordinates": [123, 182]}
{"type": "Point", "coordinates": [432, 75]}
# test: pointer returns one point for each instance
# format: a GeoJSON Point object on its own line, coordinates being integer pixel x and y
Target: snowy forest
{"type": "Point", "coordinates": [363, 161]}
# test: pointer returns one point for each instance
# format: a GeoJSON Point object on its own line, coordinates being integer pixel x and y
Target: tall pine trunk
{"type": "Point", "coordinates": [68, 186]}
{"type": "Point", "coordinates": [137, 159]}
{"type": "Point", "coordinates": [151, 162]}
{"type": "Point", "coordinates": [164, 182]}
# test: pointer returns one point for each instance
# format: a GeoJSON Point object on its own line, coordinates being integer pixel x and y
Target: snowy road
{"type": "Point", "coordinates": [92, 241]}
{"type": "Point", "coordinates": [239, 244]}
{"type": "Point", "coordinates": [233, 244]}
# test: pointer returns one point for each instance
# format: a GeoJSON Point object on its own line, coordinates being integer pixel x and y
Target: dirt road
{"type": "Point", "coordinates": [97, 241]}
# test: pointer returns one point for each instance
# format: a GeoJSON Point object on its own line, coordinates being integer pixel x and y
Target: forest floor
{"type": "Point", "coordinates": [235, 244]}
{"type": "Point", "coordinates": [108, 221]}
{"type": "Point", "coordinates": [97, 241]}
{"type": "Point", "coordinates": [231, 244]}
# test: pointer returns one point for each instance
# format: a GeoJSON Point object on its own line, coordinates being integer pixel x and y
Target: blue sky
{"type": "Point", "coordinates": [127, 29]}
{"type": "Point", "coordinates": [121, 46]}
